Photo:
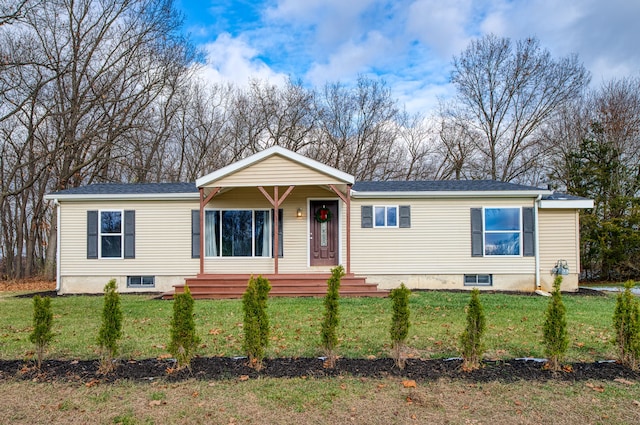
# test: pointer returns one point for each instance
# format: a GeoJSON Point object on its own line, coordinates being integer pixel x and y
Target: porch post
{"type": "Point", "coordinates": [275, 201]}
{"type": "Point", "coordinates": [276, 225]}
{"type": "Point", "coordinates": [201, 190]}
{"type": "Point", "coordinates": [348, 202]}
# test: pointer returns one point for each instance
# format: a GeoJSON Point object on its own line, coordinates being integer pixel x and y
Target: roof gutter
{"type": "Point", "coordinates": [454, 194]}
{"type": "Point", "coordinates": [123, 197]}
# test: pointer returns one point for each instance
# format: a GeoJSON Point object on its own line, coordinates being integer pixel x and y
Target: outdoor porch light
{"type": "Point", "coordinates": [299, 212]}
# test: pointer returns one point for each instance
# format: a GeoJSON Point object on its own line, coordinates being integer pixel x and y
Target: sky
{"type": "Point", "coordinates": [407, 43]}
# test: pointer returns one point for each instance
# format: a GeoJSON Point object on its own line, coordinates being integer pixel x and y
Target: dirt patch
{"type": "Point", "coordinates": [217, 368]}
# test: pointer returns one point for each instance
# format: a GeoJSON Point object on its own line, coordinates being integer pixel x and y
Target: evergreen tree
{"type": "Point", "coordinates": [331, 316]}
{"type": "Point", "coordinates": [626, 323]}
{"type": "Point", "coordinates": [399, 322]}
{"type": "Point", "coordinates": [556, 340]}
{"type": "Point", "coordinates": [184, 339]}
{"type": "Point", "coordinates": [42, 322]}
{"type": "Point", "coordinates": [111, 329]}
{"type": "Point", "coordinates": [256, 320]}
{"type": "Point", "coordinates": [471, 338]}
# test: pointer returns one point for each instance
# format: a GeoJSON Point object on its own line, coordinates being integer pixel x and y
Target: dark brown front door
{"type": "Point", "coordinates": [324, 227]}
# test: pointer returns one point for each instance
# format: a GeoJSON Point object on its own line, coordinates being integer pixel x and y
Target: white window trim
{"type": "Point", "coordinates": [110, 234]}
{"type": "Point", "coordinates": [464, 278]}
{"type": "Point", "coordinates": [484, 232]}
{"type": "Point", "coordinates": [386, 208]}
{"type": "Point", "coordinates": [141, 285]}
{"type": "Point", "coordinates": [253, 234]}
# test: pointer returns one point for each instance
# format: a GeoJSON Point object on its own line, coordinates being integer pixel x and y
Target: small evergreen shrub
{"type": "Point", "coordinates": [42, 322]}
{"type": "Point", "coordinates": [184, 340]}
{"type": "Point", "coordinates": [331, 316]}
{"type": "Point", "coordinates": [556, 340]}
{"type": "Point", "coordinates": [256, 320]}
{"type": "Point", "coordinates": [626, 324]}
{"type": "Point", "coordinates": [399, 323]}
{"type": "Point", "coordinates": [471, 337]}
{"type": "Point", "coordinates": [111, 329]}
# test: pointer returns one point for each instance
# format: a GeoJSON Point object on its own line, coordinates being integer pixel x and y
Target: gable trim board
{"type": "Point", "coordinates": [432, 239]}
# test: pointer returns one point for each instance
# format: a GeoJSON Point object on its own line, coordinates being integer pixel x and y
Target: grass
{"type": "Point", "coordinates": [514, 326]}
{"type": "Point", "coordinates": [514, 330]}
{"type": "Point", "coordinates": [308, 401]}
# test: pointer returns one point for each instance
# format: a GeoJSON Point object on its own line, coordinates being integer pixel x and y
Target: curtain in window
{"type": "Point", "coordinates": [262, 233]}
{"type": "Point", "coordinates": [211, 233]}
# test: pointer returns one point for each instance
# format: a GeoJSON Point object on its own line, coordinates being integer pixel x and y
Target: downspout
{"type": "Point", "coordinates": [57, 204]}
{"type": "Point", "coordinates": [536, 248]}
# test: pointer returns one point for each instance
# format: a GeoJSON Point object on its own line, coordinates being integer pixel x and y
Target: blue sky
{"type": "Point", "coordinates": [408, 43]}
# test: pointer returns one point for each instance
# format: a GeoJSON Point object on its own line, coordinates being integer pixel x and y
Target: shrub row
{"type": "Point", "coordinates": [184, 341]}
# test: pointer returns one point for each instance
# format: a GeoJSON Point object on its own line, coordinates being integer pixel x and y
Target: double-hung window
{"type": "Point", "coordinates": [111, 234]}
{"type": "Point", "coordinates": [502, 231]}
{"type": "Point", "coordinates": [385, 216]}
{"type": "Point", "coordinates": [239, 233]}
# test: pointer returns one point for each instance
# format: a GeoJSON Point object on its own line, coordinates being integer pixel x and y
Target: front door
{"type": "Point", "coordinates": [323, 240]}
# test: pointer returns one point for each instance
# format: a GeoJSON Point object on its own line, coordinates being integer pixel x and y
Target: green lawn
{"type": "Point", "coordinates": [514, 326]}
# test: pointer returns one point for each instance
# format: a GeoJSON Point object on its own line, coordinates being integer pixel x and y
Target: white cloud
{"type": "Point", "coordinates": [231, 59]}
{"type": "Point", "coordinates": [351, 59]}
{"type": "Point", "coordinates": [442, 25]}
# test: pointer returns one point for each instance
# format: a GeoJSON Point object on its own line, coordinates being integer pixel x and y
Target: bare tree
{"type": "Point", "coordinates": [357, 130]}
{"type": "Point", "coordinates": [507, 91]}
{"type": "Point", "coordinates": [79, 78]}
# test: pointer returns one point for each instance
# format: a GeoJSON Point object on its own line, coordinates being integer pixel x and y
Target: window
{"type": "Point", "coordinates": [478, 280]}
{"type": "Point", "coordinates": [240, 233]}
{"type": "Point", "coordinates": [385, 216]}
{"type": "Point", "coordinates": [502, 231]}
{"type": "Point", "coordinates": [111, 235]}
{"type": "Point", "coordinates": [141, 281]}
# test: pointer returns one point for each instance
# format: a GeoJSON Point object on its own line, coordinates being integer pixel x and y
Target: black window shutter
{"type": "Point", "coordinates": [195, 233]}
{"type": "Point", "coordinates": [476, 232]}
{"type": "Point", "coordinates": [92, 234]}
{"type": "Point", "coordinates": [367, 216]}
{"type": "Point", "coordinates": [528, 233]}
{"type": "Point", "coordinates": [129, 234]}
{"type": "Point", "coordinates": [405, 216]}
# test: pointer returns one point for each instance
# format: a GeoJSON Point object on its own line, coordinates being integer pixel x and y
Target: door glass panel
{"type": "Point", "coordinates": [323, 234]}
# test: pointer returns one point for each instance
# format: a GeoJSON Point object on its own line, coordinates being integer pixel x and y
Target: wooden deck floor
{"type": "Point", "coordinates": [219, 286]}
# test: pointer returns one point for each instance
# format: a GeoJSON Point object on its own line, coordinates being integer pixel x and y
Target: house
{"type": "Point", "coordinates": [230, 223]}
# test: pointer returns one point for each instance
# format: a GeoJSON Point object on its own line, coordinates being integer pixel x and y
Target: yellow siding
{"type": "Point", "coordinates": [559, 240]}
{"type": "Point", "coordinates": [157, 222]}
{"type": "Point", "coordinates": [438, 242]}
{"type": "Point", "coordinates": [275, 170]}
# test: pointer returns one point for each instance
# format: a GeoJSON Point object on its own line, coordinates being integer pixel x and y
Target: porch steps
{"type": "Point", "coordinates": [220, 286]}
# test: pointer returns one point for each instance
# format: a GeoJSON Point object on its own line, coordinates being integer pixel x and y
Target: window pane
{"type": "Point", "coordinates": [379, 216]}
{"type": "Point", "coordinates": [236, 233]}
{"type": "Point", "coordinates": [262, 233]}
{"type": "Point", "coordinates": [212, 233]}
{"type": "Point", "coordinates": [392, 216]}
{"type": "Point", "coordinates": [502, 243]}
{"type": "Point", "coordinates": [502, 218]}
{"type": "Point", "coordinates": [110, 221]}
{"type": "Point", "coordinates": [469, 279]}
{"type": "Point", "coordinates": [484, 279]}
{"type": "Point", "coordinates": [111, 246]}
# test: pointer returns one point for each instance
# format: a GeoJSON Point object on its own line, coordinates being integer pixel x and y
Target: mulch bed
{"type": "Point", "coordinates": [217, 368]}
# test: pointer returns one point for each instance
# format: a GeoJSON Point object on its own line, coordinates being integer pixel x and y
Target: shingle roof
{"type": "Point", "coordinates": [439, 186]}
{"type": "Point", "coordinates": [130, 189]}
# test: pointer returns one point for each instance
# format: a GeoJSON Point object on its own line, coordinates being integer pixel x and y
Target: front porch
{"type": "Point", "coordinates": [220, 286]}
